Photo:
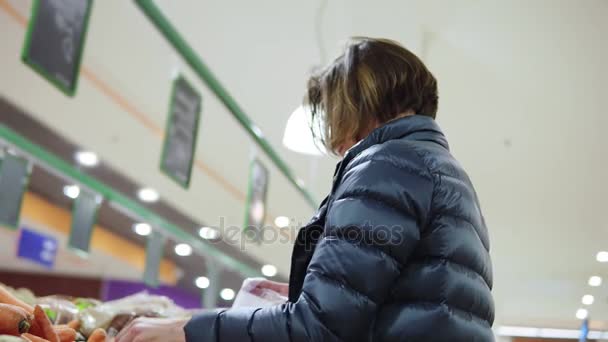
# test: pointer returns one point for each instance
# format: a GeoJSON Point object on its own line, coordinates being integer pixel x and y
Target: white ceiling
{"type": "Point", "coordinates": [523, 98]}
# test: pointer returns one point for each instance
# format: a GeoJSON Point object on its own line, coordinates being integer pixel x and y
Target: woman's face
{"type": "Point", "coordinates": [345, 147]}
{"type": "Point", "coordinates": [351, 142]}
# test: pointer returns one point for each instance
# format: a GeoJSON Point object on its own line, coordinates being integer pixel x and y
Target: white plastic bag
{"type": "Point", "coordinates": [140, 304]}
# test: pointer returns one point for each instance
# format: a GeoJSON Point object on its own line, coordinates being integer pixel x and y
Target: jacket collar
{"type": "Point", "coordinates": [415, 127]}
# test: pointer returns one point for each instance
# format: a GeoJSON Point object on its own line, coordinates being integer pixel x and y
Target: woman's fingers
{"type": "Point", "coordinates": [153, 329]}
{"type": "Point", "coordinates": [128, 332]}
{"type": "Point", "coordinates": [281, 288]}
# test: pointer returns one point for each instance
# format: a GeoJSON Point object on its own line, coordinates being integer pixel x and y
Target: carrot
{"type": "Point", "coordinates": [99, 335]}
{"type": "Point", "coordinates": [7, 298]}
{"type": "Point", "coordinates": [65, 333]}
{"type": "Point", "coordinates": [42, 326]}
{"type": "Point", "coordinates": [33, 338]}
{"type": "Point", "coordinates": [24, 338]}
{"type": "Point", "coordinates": [13, 320]}
{"type": "Point", "coordinates": [75, 324]}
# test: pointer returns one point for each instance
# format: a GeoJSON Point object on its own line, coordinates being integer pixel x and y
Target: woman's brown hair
{"type": "Point", "coordinates": [371, 83]}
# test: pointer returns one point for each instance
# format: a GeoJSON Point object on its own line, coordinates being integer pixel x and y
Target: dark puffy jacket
{"type": "Point", "coordinates": [397, 252]}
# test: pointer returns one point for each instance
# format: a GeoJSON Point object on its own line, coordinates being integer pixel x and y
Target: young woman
{"type": "Point", "coordinates": [399, 250]}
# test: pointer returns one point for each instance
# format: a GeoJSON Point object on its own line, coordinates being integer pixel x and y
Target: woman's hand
{"type": "Point", "coordinates": [281, 288]}
{"type": "Point", "coordinates": [153, 330]}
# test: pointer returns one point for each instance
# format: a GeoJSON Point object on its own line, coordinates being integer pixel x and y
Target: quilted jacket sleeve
{"type": "Point", "coordinates": [372, 226]}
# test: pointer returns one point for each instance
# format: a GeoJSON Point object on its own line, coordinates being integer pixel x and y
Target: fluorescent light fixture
{"type": "Point", "coordinates": [602, 256]}
{"type": "Point", "coordinates": [587, 299]}
{"type": "Point", "coordinates": [142, 229]}
{"type": "Point", "coordinates": [202, 282]}
{"type": "Point", "coordinates": [183, 249]}
{"type": "Point", "coordinates": [269, 270]}
{"type": "Point", "coordinates": [86, 158]}
{"type": "Point", "coordinates": [581, 313]}
{"type": "Point", "coordinates": [148, 195]}
{"type": "Point", "coordinates": [72, 191]}
{"type": "Point", "coordinates": [227, 294]}
{"type": "Point", "coordinates": [208, 233]}
{"type": "Point", "coordinates": [595, 281]}
{"type": "Point", "coordinates": [515, 331]}
{"type": "Point", "coordinates": [281, 221]}
{"type": "Point", "coordinates": [298, 137]}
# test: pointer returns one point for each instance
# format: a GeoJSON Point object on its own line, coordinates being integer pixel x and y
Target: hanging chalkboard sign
{"type": "Point", "coordinates": [55, 40]}
{"type": "Point", "coordinates": [154, 255]}
{"type": "Point", "coordinates": [84, 216]}
{"type": "Point", "coordinates": [14, 177]}
{"type": "Point", "coordinates": [255, 206]}
{"type": "Point", "coordinates": [181, 132]}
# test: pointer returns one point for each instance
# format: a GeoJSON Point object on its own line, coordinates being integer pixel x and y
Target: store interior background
{"type": "Point", "coordinates": [522, 102]}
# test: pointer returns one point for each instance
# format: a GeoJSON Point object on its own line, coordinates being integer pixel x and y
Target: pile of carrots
{"type": "Point", "coordinates": [18, 318]}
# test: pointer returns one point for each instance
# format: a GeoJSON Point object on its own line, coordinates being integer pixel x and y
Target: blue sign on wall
{"type": "Point", "coordinates": [37, 247]}
{"type": "Point", "coordinates": [584, 331]}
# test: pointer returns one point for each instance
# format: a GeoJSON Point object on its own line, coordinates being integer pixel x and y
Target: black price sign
{"type": "Point", "coordinates": [14, 177]}
{"type": "Point", "coordinates": [55, 40]}
{"type": "Point", "coordinates": [84, 216]}
{"type": "Point", "coordinates": [154, 255]}
{"type": "Point", "coordinates": [256, 198]}
{"type": "Point", "coordinates": [181, 132]}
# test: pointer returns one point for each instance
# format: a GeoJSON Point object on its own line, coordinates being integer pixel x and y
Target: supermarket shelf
{"type": "Point", "coordinates": [58, 166]}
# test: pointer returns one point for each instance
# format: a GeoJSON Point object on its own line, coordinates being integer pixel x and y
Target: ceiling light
{"type": "Point", "coordinates": [269, 270]}
{"type": "Point", "coordinates": [281, 221]}
{"type": "Point", "coordinates": [602, 256]}
{"type": "Point", "coordinates": [148, 195]}
{"type": "Point", "coordinates": [86, 158]}
{"type": "Point", "coordinates": [208, 233]}
{"type": "Point", "coordinates": [595, 281]}
{"type": "Point", "coordinates": [202, 282]}
{"type": "Point", "coordinates": [298, 136]}
{"type": "Point", "coordinates": [227, 294]}
{"type": "Point", "coordinates": [183, 249]}
{"type": "Point", "coordinates": [72, 191]}
{"type": "Point", "coordinates": [587, 299]}
{"type": "Point", "coordinates": [142, 229]}
{"type": "Point", "coordinates": [581, 313]}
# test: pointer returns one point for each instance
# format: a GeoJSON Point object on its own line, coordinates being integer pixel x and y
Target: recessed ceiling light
{"type": "Point", "coordinates": [587, 299]}
{"type": "Point", "coordinates": [595, 281]}
{"type": "Point", "coordinates": [202, 282]}
{"type": "Point", "coordinates": [183, 249]}
{"type": "Point", "coordinates": [208, 233]}
{"type": "Point", "coordinates": [86, 158]}
{"type": "Point", "coordinates": [269, 270]}
{"type": "Point", "coordinates": [281, 221]}
{"type": "Point", "coordinates": [602, 256]}
{"type": "Point", "coordinates": [581, 313]}
{"type": "Point", "coordinates": [142, 229]}
{"type": "Point", "coordinates": [148, 195]}
{"type": "Point", "coordinates": [72, 191]}
{"type": "Point", "coordinates": [227, 294]}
